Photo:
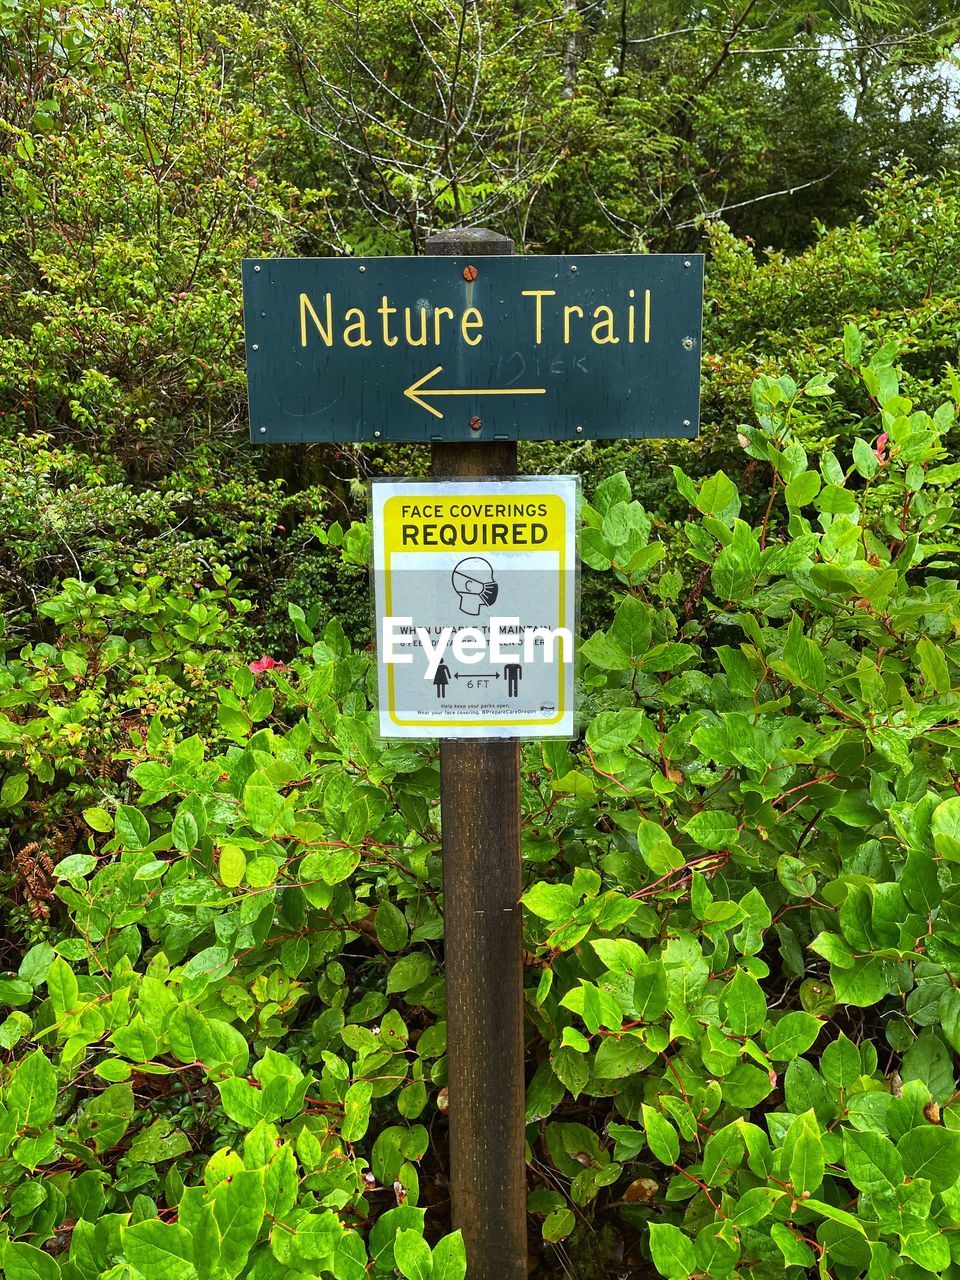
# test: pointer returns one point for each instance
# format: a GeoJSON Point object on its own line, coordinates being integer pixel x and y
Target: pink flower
{"type": "Point", "coordinates": [266, 663]}
{"type": "Point", "coordinates": [880, 449]}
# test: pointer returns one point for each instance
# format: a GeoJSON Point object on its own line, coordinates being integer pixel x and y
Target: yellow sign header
{"type": "Point", "coordinates": [473, 521]}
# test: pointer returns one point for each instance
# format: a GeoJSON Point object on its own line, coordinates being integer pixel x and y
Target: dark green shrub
{"type": "Point", "coordinates": [741, 911]}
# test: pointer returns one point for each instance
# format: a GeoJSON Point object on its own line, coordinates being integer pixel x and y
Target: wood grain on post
{"type": "Point", "coordinates": [480, 818]}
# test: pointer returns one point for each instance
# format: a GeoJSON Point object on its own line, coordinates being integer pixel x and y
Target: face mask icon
{"type": "Point", "coordinates": [474, 584]}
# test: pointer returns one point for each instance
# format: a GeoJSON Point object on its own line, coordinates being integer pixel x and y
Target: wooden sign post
{"type": "Point", "coordinates": [471, 356]}
{"type": "Point", "coordinates": [480, 824]}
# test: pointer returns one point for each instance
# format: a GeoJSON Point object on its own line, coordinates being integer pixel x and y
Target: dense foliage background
{"type": "Point", "coordinates": [221, 1001]}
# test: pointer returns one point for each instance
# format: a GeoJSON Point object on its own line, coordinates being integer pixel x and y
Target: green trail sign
{"type": "Point", "coordinates": [448, 348]}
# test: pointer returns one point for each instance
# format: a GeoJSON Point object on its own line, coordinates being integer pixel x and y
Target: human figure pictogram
{"type": "Point", "coordinates": [514, 674]}
{"type": "Point", "coordinates": [442, 679]}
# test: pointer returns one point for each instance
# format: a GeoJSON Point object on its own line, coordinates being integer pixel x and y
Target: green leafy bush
{"type": "Point", "coordinates": [741, 920]}
{"type": "Point", "coordinates": [222, 1040]}
{"type": "Point", "coordinates": [754, 964]}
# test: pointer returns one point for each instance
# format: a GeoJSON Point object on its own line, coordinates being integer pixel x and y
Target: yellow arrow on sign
{"type": "Point", "coordinates": [417, 391]}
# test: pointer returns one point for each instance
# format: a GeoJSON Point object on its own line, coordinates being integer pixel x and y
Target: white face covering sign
{"type": "Point", "coordinates": [475, 587]}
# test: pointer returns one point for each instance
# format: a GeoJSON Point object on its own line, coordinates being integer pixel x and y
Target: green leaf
{"type": "Point", "coordinates": [262, 872]}
{"type": "Point", "coordinates": [613, 730]}
{"type": "Point", "coordinates": [25, 1262]}
{"type": "Point", "coordinates": [32, 1091]}
{"type": "Point", "coordinates": [716, 494]}
{"type": "Point", "coordinates": [929, 1061]}
{"type": "Point", "coordinates": [550, 901]}
{"type": "Point", "coordinates": [605, 653]}
{"type": "Point", "coordinates": [803, 660]}
{"type": "Point", "coordinates": [946, 829]}
{"type": "Point", "coordinates": [238, 1209]}
{"type": "Point", "coordinates": [723, 1155]}
{"type": "Point", "coordinates": [412, 1255]}
{"type": "Point", "coordinates": [837, 501]}
{"type": "Point", "coordinates": [833, 948]}
{"type": "Point", "coordinates": [393, 933]}
{"type": "Point", "coordinates": [609, 492]}
{"type": "Point", "coordinates": [206, 966]}
{"type": "Point", "coordinates": [795, 1252]}
{"type": "Point", "coordinates": [624, 523]}
{"type": "Point", "coordinates": [661, 1136]}
{"type": "Point", "coordinates": [617, 1057]}
{"type": "Point", "coordinates": [235, 723]}
{"type": "Point", "coordinates": [188, 755]}
{"type": "Point", "coordinates": [920, 882]}
{"type": "Point", "coordinates": [835, 1215]}
{"type": "Point", "coordinates": [98, 819]}
{"type": "Point", "coordinates": [262, 803]}
{"type": "Point", "coordinates": [743, 1006]}
{"type": "Point", "coordinates": [558, 1224]}
{"type": "Point", "coordinates": [62, 986]}
{"type": "Point", "coordinates": [650, 992]}
{"type": "Point", "coordinates": [933, 1153]}
{"type": "Point", "coordinates": [620, 955]}
{"type": "Point", "coordinates": [735, 568]}
{"type": "Point", "coordinates": [14, 788]}
{"type": "Point", "coordinates": [189, 1035]}
{"type": "Point", "coordinates": [131, 828]}
{"type": "Point", "coordinates": [160, 1142]}
{"type": "Point", "coordinates": [631, 626]}
{"type": "Point", "coordinates": [356, 1111]}
{"type": "Point", "coordinates": [672, 1251]}
{"type": "Point", "coordinates": [852, 345]}
{"type": "Point", "coordinates": [450, 1257]}
{"type": "Point", "coordinates": [712, 829]}
{"type": "Point", "coordinates": [716, 1252]}
{"type": "Point", "coordinates": [409, 971]}
{"type": "Point", "coordinates": [755, 1205]}
{"type": "Point", "coordinates": [232, 864]}
{"type": "Point", "coordinates": [75, 868]}
{"type": "Point", "coordinates": [244, 1103]}
{"type": "Point", "coordinates": [136, 1041]}
{"type": "Point", "coordinates": [384, 1232]}
{"type": "Point", "coordinates": [802, 489]}
{"type": "Point", "coordinates": [791, 1035]}
{"type": "Point", "coordinates": [15, 991]}
{"type": "Point", "coordinates": [106, 1117]}
{"type": "Point", "coordinates": [872, 1161]}
{"type": "Point", "coordinates": [36, 963]}
{"type": "Point", "coordinates": [162, 1251]}
{"type": "Point", "coordinates": [933, 666]}
{"type": "Point", "coordinates": [332, 867]}
{"type": "Point", "coordinates": [803, 1155]}
{"type": "Point", "coordinates": [316, 1237]}
{"type": "Point", "coordinates": [185, 831]}
{"type": "Point", "coordinates": [928, 1247]}
{"type": "Point", "coordinates": [840, 1063]}
{"type": "Point", "coordinates": [281, 1182]}
{"type": "Point", "coordinates": [544, 1093]}
{"type": "Point", "coordinates": [866, 983]}
{"type": "Point", "coordinates": [685, 486]}
{"type": "Point", "coordinates": [865, 460]}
